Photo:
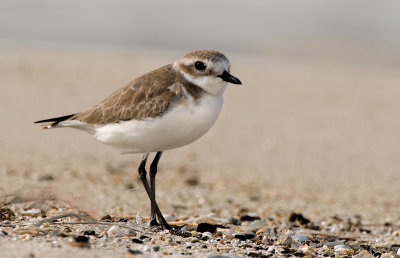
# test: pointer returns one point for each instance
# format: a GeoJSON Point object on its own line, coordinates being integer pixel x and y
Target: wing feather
{"type": "Point", "coordinates": [146, 97]}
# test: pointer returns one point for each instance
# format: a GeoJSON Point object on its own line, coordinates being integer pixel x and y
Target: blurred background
{"type": "Point", "coordinates": [314, 128]}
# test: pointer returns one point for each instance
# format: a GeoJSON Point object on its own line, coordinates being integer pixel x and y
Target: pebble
{"type": "Point", "coordinates": [106, 217]}
{"type": "Point", "coordinates": [245, 236]}
{"type": "Point", "coordinates": [299, 238]}
{"type": "Point", "coordinates": [325, 250]}
{"type": "Point", "coordinates": [249, 218]}
{"type": "Point", "coordinates": [228, 235]}
{"type": "Point", "coordinates": [114, 231]}
{"type": "Point", "coordinates": [89, 232]}
{"type": "Point", "coordinates": [281, 238]}
{"type": "Point", "coordinates": [305, 249]}
{"type": "Point", "coordinates": [143, 237]}
{"type": "Point", "coordinates": [343, 250]}
{"type": "Point", "coordinates": [81, 239]}
{"type": "Point", "coordinates": [256, 225]}
{"type": "Point", "coordinates": [298, 217]}
{"type": "Point", "coordinates": [207, 234]}
{"type": "Point", "coordinates": [137, 241]}
{"type": "Point", "coordinates": [265, 240]}
{"type": "Point", "coordinates": [363, 254]}
{"type": "Point", "coordinates": [396, 233]}
{"type": "Point", "coordinates": [334, 243]}
{"type": "Point", "coordinates": [25, 237]}
{"type": "Point", "coordinates": [206, 227]}
{"type": "Point", "coordinates": [134, 252]}
{"type": "Point", "coordinates": [286, 241]}
{"type": "Point", "coordinates": [194, 233]}
{"type": "Point", "coordinates": [169, 240]}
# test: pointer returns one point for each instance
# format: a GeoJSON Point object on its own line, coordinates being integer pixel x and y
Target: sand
{"type": "Point", "coordinates": [307, 135]}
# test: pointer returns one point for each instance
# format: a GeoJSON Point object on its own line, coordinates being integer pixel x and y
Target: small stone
{"type": "Point", "coordinates": [193, 239]}
{"type": "Point", "coordinates": [249, 218]}
{"type": "Point", "coordinates": [26, 237]}
{"type": "Point", "coordinates": [114, 231]}
{"type": "Point", "coordinates": [343, 250]}
{"type": "Point", "coordinates": [169, 240]}
{"type": "Point", "coordinates": [183, 234]}
{"type": "Point", "coordinates": [256, 225]}
{"type": "Point", "coordinates": [340, 247]}
{"type": "Point", "coordinates": [143, 237]}
{"type": "Point", "coordinates": [387, 255]}
{"type": "Point", "coordinates": [334, 243]}
{"type": "Point", "coordinates": [103, 234]}
{"type": "Point", "coordinates": [106, 217]}
{"type": "Point", "coordinates": [81, 239]}
{"type": "Point", "coordinates": [396, 233]}
{"type": "Point", "coordinates": [298, 217]}
{"type": "Point", "coordinates": [271, 250]}
{"type": "Point", "coordinates": [156, 248]}
{"type": "Point", "coordinates": [207, 234]}
{"type": "Point", "coordinates": [362, 254]}
{"type": "Point", "coordinates": [305, 249]}
{"type": "Point", "coordinates": [245, 236]}
{"type": "Point", "coordinates": [299, 238]}
{"type": "Point", "coordinates": [130, 251]}
{"type": "Point", "coordinates": [89, 232]}
{"type": "Point", "coordinates": [6, 214]}
{"type": "Point", "coordinates": [325, 250]}
{"type": "Point", "coordinates": [206, 227]}
{"type": "Point", "coordinates": [194, 233]}
{"type": "Point", "coordinates": [46, 177]}
{"type": "Point", "coordinates": [228, 235]}
{"type": "Point", "coordinates": [137, 241]}
{"type": "Point", "coordinates": [193, 181]}
{"type": "Point", "coordinates": [265, 240]}
{"type": "Point", "coordinates": [287, 241]}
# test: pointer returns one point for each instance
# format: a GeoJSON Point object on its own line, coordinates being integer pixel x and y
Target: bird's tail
{"type": "Point", "coordinates": [52, 122]}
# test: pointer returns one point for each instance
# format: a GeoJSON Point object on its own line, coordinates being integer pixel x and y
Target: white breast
{"type": "Point", "coordinates": [179, 126]}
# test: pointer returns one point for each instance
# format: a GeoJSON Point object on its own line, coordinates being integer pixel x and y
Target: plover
{"type": "Point", "coordinates": [164, 109]}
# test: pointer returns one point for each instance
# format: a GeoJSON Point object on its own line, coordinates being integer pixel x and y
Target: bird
{"type": "Point", "coordinates": [164, 109]}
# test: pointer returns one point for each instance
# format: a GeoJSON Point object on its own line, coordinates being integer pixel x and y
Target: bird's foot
{"type": "Point", "coordinates": [164, 226]}
{"type": "Point", "coordinates": [154, 223]}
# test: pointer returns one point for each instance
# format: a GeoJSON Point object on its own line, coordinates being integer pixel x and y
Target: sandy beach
{"type": "Point", "coordinates": [307, 135]}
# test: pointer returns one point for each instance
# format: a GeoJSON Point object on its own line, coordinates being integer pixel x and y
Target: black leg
{"type": "Point", "coordinates": [143, 178]}
{"type": "Point", "coordinates": [153, 172]}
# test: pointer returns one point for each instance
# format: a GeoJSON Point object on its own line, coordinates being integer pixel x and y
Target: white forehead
{"type": "Point", "coordinates": [218, 65]}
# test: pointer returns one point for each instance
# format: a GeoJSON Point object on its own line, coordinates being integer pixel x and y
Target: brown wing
{"type": "Point", "coordinates": [147, 96]}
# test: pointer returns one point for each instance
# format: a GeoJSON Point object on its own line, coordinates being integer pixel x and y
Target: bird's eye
{"type": "Point", "coordinates": [199, 65]}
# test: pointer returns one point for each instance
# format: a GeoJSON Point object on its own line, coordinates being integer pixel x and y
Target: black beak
{"type": "Point", "coordinates": [229, 78]}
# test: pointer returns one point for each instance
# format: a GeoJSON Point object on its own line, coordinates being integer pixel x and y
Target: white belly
{"type": "Point", "coordinates": [178, 127]}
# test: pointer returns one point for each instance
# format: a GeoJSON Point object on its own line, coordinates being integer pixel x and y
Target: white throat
{"type": "Point", "coordinates": [211, 84]}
